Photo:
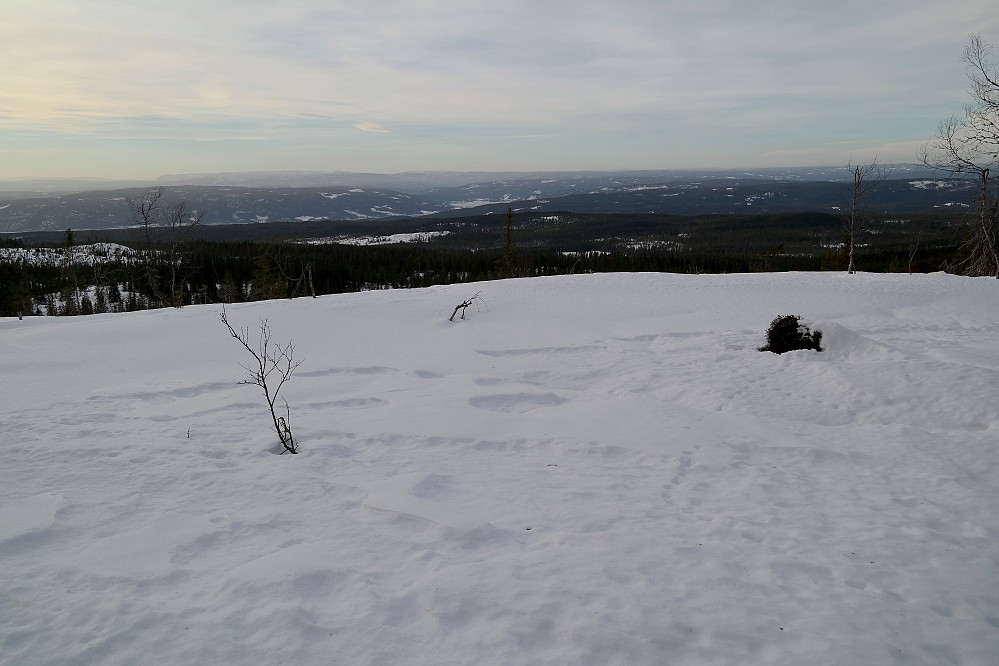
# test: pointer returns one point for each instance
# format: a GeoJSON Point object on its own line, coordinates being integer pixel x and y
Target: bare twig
{"type": "Point", "coordinates": [269, 358]}
{"type": "Point", "coordinates": [464, 304]}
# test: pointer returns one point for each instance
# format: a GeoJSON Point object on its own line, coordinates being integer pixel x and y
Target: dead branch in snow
{"type": "Point", "coordinates": [464, 305]}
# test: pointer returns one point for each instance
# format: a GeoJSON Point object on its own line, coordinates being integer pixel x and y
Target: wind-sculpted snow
{"type": "Point", "coordinates": [594, 469]}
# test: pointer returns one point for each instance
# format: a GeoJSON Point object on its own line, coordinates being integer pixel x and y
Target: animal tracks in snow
{"type": "Point", "coordinates": [32, 514]}
{"type": "Point", "coordinates": [165, 395]}
{"type": "Point", "coordinates": [347, 403]}
{"type": "Point", "coordinates": [424, 497]}
{"type": "Point", "coordinates": [544, 351]}
{"type": "Point", "coordinates": [360, 370]}
{"type": "Point", "coordinates": [517, 403]}
{"type": "Point", "coordinates": [144, 552]}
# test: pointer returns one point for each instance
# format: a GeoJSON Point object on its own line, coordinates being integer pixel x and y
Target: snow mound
{"type": "Point", "coordinates": [841, 343]}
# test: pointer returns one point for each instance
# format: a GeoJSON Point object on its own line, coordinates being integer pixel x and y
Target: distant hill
{"type": "Point", "coordinates": [217, 204]}
{"type": "Point", "coordinates": [251, 198]}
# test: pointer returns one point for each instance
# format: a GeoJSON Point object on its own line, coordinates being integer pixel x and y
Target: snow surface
{"type": "Point", "coordinates": [415, 237]}
{"type": "Point", "coordinates": [593, 469]}
{"type": "Point", "coordinates": [87, 255]}
{"type": "Point", "coordinates": [474, 203]}
{"type": "Point", "coordinates": [932, 184]}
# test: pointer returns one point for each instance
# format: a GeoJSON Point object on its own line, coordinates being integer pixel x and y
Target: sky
{"type": "Point", "coordinates": [125, 89]}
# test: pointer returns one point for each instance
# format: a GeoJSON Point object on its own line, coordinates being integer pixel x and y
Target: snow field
{"type": "Point", "coordinates": [595, 469]}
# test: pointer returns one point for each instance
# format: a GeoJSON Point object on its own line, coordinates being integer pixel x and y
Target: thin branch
{"type": "Point", "coordinates": [464, 305]}
{"type": "Point", "coordinates": [269, 359]}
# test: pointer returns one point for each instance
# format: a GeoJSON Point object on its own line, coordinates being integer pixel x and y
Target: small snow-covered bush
{"type": "Point", "coordinates": [787, 333]}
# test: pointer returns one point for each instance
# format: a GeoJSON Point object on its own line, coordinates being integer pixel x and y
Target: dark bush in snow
{"type": "Point", "coordinates": [787, 333]}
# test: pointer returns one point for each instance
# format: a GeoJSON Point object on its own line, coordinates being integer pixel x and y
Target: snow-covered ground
{"type": "Point", "coordinates": [87, 255]}
{"type": "Point", "coordinates": [593, 469]}
{"type": "Point", "coordinates": [417, 237]}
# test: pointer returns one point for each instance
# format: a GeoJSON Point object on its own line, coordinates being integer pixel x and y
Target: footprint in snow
{"type": "Point", "coordinates": [517, 403]}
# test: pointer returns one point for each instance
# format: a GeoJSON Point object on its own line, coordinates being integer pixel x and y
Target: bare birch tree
{"type": "Point", "coordinates": [164, 229]}
{"type": "Point", "coordinates": [865, 178]}
{"type": "Point", "coordinates": [969, 145]}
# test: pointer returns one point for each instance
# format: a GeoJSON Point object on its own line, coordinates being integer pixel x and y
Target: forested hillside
{"type": "Point", "coordinates": [115, 270]}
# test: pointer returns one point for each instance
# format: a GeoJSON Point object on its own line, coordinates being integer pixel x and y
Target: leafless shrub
{"type": "Point", "coordinates": [465, 304]}
{"type": "Point", "coordinates": [273, 365]}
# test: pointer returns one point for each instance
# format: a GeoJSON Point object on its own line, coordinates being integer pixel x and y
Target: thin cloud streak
{"type": "Point", "coordinates": [372, 127]}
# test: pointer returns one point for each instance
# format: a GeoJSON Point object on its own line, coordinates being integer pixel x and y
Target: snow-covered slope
{"type": "Point", "coordinates": [595, 469]}
{"type": "Point", "coordinates": [80, 255]}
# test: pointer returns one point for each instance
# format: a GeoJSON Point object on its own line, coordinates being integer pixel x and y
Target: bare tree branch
{"type": "Point", "coordinates": [174, 223]}
{"type": "Point", "coordinates": [970, 145]}
{"type": "Point", "coordinates": [865, 178]}
{"type": "Point", "coordinates": [269, 358]}
{"type": "Point", "coordinates": [464, 305]}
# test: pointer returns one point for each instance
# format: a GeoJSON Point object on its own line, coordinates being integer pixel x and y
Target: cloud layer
{"type": "Point", "coordinates": [124, 88]}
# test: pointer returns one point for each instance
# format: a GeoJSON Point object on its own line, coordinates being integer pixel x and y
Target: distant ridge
{"type": "Point", "coordinates": [27, 186]}
{"type": "Point", "coordinates": [272, 196]}
{"type": "Point", "coordinates": [425, 181]}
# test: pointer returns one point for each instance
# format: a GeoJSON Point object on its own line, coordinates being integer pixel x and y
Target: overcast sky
{"type": "Point", "coordinates": [139, 88]}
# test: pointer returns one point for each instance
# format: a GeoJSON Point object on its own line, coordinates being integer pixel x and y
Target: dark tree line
{"type": "Point", "coordinates": [172, 262]}
{"type": "Point", "coordinates": [226, 272]}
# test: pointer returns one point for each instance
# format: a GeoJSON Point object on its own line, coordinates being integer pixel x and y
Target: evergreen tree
{"type": "Point", "coordinates": [265, 284]}
{"type": "Point", "coordinates": [100, 300]}
{"type": "Point", "coordinates": [114, 294]}
{"type": "Point", "coordinates": [228, 291]}
{"type": "Point", "coordinates": [71, 294]}
{"type": "Point", "coordinates": [506, 262]}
